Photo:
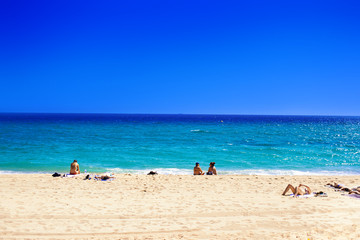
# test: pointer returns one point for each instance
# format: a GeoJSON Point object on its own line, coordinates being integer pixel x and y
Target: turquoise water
{"type": "Point", "coordinates": [171, 144]}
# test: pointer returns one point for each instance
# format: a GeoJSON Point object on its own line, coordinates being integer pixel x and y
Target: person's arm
{"type": "Point", "coordinates": [78, 168]}
{"type": "Point", "coordinates": [308, 189]}
{"type": "Point", "coordinates": [214, 171]}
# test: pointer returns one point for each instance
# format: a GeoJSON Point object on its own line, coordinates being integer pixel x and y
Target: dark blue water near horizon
{"type": "Point", "coordinates": [172, 143]}
{"type": "Point", "coordinates": [171, 117]}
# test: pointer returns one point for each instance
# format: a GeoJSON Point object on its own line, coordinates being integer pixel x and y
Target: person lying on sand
{"type": "Point", "coordinates": [103, 177]}
{"type": "Point", "coordinates": [345, 189]}
{"type": "Point", "coordinates": [198, 170]}
{"type": "Point", "coordinates": [212, 169]}
{"type": "Point", "coordinates": [297, 190]}
{"type": "Point", "coordinates": [74, 168]}
{"type": "Point", "coordinates": [337, 186]}
{"type": "Point", "coordinates": [355, 190]}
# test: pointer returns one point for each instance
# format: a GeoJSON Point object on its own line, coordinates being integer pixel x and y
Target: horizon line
{"type": "Point", "coordinates": [224, 114]}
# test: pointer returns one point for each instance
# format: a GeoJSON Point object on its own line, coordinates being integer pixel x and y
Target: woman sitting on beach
{"type": "Point", "coordinates": [74, 168]}
{"type": "Point", "coordinates": [297, 190]}
{"type": "Point", "coordinates": [212, 169]}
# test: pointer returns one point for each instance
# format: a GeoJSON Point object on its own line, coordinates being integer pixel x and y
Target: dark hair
{"type": "Point", "coordinates": [212, 163]}
{"type": "Point", "coordinates": [75, 160]}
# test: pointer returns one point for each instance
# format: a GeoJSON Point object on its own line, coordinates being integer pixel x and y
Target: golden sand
{"type": "Point", "coordinates": [38, 206]}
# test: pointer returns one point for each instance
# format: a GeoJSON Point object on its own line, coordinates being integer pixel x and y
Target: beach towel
{"type": "Point", "coordinates": [303, 196]}
{"type": "Point", "coordinates": [109, 179]}
{"type": "Point", "coordinates": [69, 175]}
{"type": "Point", "coordinates": [352, 195]}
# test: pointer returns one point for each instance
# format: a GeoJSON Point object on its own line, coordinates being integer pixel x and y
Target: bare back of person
{"type": "Point", "coordinates": [198, 170]}
{"type": "Point", "coordinates": [74, 168]}
{"type": "Point", "coordinates": [212, 169]}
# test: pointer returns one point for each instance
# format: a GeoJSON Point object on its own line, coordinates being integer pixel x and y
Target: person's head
{"type": "Point", "coordinates": [212, 164]}
{"type": "Point", "coordinates": [75, 160]}
{"type": "Point", "coordinates": [197, 164]}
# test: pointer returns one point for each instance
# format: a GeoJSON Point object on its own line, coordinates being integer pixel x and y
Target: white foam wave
{"type": "Point", "coordinates": [164, 171]}
{"type": "Point", "coordinates": [176, 171]}
{"type": "Point", "coordinates": [20, 172]}
{"type": "Point", "coordinates": [286, 172]}
{"type": "Point", "coordinates": [199, 131]}
{"type": "Point", "coordinates": [195, 130]}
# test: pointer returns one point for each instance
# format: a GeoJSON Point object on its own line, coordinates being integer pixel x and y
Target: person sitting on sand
{"type": "Point", "coordinates": [198, 170]}
{"type": "Point", "coordinates": [297, 190]}
{"type": "Point", "coordinates": [212, 169]}
{"type": "Point", "coordinates": [74, 168]}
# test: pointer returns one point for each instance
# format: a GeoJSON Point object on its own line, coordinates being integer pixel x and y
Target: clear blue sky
{"type": "Point", "coordinates": [227, 57]}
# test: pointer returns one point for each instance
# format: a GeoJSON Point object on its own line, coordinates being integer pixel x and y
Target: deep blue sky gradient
{"type": "Point", "coordinates": [225, 57]}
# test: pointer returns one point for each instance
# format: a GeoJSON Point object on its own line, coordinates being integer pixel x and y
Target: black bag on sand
{"type": "Point", "coordinates": [152, 173]}
{"type": "Point", "coordinates": [56, 174]}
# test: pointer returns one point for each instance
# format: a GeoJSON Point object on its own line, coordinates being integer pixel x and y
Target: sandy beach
{"type": "Point", "coordinates": [38, 206]}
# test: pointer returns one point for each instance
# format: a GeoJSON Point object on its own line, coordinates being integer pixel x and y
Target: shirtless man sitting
{"type": "Point", "coordinates": [74, 168]}
{"type": "Point", "coordinates": [297, 190]}
{"type": "Point", "coordinates": [198, 170]}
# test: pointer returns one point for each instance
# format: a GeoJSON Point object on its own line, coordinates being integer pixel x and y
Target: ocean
{"type": "Point", "coordinates": [171, 144]}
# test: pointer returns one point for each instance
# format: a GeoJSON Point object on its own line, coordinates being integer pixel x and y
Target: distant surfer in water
{"type": "Point", "coordinates": [74, 168]}
{"type": "Point", "coordinates": [198, 170]}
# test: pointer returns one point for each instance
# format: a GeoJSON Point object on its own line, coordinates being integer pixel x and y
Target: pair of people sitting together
{"type": "Point", "coordinates": [199, 171]}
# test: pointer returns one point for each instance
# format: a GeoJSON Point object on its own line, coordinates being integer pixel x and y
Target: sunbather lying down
{"type": "Point", "coordinates": [345, 189]}
{"type": "Point", "coordinates": [299, 190]}
{"type": "Point", "coordinates": [103, 177]}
